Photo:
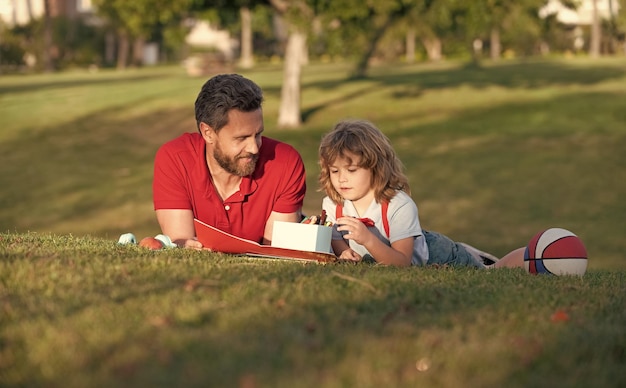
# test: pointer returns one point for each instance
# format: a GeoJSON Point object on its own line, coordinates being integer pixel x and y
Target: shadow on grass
{"type": "Point", "coordinates": [511, 76]}
{"type": "Point", "coordinates": [507, 75]}
{"type": "Point", "coordinates": [306, 113]}
{"type": "Point", "coordinates": [109, 79]}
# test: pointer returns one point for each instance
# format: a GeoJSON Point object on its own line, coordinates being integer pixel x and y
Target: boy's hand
{"type": "Point", "coordinates": [355, 230]}
{"type": "Point", "coordinates": [350, 255]}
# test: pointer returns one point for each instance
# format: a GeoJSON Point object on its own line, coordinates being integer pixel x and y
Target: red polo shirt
{"type": "Point", "coordinates": [182, 181]}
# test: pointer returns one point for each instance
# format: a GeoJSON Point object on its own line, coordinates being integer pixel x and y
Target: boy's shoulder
{"type": "Point", "coordinates": [401, 200]}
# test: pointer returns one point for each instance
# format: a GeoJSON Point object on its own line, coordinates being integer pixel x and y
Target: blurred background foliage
{"type": "Point", "coordinates": [111, 33]}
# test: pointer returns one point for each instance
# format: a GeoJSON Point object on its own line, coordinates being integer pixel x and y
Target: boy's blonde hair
{"type": "Point", "coordinates": [362, 139]}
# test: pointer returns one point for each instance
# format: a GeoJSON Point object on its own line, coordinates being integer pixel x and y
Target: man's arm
{"type": "Point", "coordinates": [275, 216]}
{"type": "Point", "coordinates": [178, 225]}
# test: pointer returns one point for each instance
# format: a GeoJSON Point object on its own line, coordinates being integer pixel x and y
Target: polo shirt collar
{"type": "Point", "coordinates": [248, 185]}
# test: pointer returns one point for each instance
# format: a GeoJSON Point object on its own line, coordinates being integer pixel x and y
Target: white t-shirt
{"type": "Point", "coordinates": [403, 222]}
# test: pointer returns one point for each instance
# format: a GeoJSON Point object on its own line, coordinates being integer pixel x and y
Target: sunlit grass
{"type": "Point", "coordinates": [80, 311]}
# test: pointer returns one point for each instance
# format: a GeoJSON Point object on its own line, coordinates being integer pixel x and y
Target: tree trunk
{"type": "Point", "coordinates": [410, 45]}
{"type": "Point", "coordinates": [47, 38]}
{"type": "Point", "coordinates": [433, 48]}
{"type": "Point", "coordinates": [109, 48]}
{"type": "Point", "coordinates": [138, 47]}
{"type": "Point", "coordinates": [246, 60]}
{"type": "Point", "coordinates": [14, 13]}
{"type": "Point", "coordinates": [279, 29]}
{"type": "Point", "coordinates": [363, 63]}
{"type": "Point", "coordinates": [596, 33]}
{"type": "Point", "coordinates": [122, 51]}
{"type": "Point", "coordinates": [304, 56]}
{"type": "Point", "coordinates": [495, 45]}
{"type": "Point", "coordinates": [29, 10]}
{"type": "Point", "coordinates": [289, 115]}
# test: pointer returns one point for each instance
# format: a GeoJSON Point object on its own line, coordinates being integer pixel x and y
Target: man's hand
{"type": "Point", "coordinates": [178, 225]}
{"type": "Point", "coordinates": [192, 243]}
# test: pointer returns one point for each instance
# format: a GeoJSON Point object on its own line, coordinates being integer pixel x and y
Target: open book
{"type": "Point", "coordinates": [220, 241]}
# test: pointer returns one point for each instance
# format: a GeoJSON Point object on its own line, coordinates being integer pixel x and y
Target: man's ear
{"type": "Point", "coordinates": [207, 132]}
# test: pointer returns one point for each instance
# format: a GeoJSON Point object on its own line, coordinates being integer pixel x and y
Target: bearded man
{"type": "Point", "coordinates": [227, 175]}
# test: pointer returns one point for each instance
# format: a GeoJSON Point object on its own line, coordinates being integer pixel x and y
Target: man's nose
{"type": "Point", "coordinates": [253, 146]}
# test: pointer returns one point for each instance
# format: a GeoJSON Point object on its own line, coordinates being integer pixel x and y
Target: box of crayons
{"type": "Point", "coordinates": [312, 234]}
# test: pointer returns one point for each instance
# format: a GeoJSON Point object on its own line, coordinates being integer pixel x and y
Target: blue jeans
{"type": "Point", "coordinates": [442, 250]}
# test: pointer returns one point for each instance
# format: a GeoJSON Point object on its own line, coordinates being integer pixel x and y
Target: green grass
{"type": "Point", "coordinates": [79, 311]}
{"type": "Point", "coordinates": [493, 154]}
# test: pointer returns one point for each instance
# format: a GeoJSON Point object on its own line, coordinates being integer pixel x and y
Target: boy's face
{"type": "Point", "coordinates": [351, 181]}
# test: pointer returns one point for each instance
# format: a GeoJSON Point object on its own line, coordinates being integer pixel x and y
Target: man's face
{"type": "Point", "coordinates": [236, 146]}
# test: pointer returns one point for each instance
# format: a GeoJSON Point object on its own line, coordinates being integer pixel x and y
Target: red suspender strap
{"type": "Point", "coordinates": [385, 207]}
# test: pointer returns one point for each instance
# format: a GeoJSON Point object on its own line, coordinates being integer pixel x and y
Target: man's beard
{"type": "Point", "coordinates": [232, 165]}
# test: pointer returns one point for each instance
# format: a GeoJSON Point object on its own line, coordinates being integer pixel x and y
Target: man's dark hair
{"type": "Point", "coordinates": [223, 93]}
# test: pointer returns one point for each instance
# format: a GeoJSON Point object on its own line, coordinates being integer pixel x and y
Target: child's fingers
{"type": "Point", "coordinates": [351, 255]}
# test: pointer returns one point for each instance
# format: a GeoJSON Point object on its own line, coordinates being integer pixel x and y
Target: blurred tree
{"type": "Point", "coordinates": [27, 44]}
{"type": "Point", "coordinates": [29, 9]}
{"type": "Point", "coordinates": [618, 23]}
{"type": "Point", "coordinates": [225, 9]}
{"type": "Point", "coordinates": [430, 21]}
{"type": "Point", "coordinates": [490, 19]}
{"type": "Point", "coordinates": [47, 37]}
{"type": "Point", "coordinates": [246, 58]}
{"type": "Point", "coordinates": [364, 24]}
{"type": "Point", "coordinates": [11, 50]}
{"type": "Point", "coordinates": [136, 20]}
{"type": "Point", "coordinates": [596, 32]}
{"type": "Point", "coordinates": [297, 15]}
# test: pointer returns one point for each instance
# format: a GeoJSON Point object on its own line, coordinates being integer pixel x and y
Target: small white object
{"type": "Point", "coordinates": [127, 238]}
{"type": "Point", "coordinates": [166, 240]}
{"type": "Point", "coordinates": [302, 237]}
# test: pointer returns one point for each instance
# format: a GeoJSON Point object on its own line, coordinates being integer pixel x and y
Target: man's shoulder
{"type": "Point", "coordinates": [187, 142]}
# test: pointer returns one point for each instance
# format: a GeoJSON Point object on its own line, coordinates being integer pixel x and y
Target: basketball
{"type": "Point", "coordinates": [556, 251]}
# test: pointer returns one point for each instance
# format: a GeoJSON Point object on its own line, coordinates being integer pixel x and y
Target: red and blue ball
{"type": "Point", "coordinates": [556, 251]}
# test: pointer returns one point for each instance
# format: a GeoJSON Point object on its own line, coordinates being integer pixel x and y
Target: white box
{"type": "Point", "coordinates": [303, 237]}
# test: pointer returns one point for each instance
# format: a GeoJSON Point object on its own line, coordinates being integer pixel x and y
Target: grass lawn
{"type": "Point", "coordinates": [493, 154]}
